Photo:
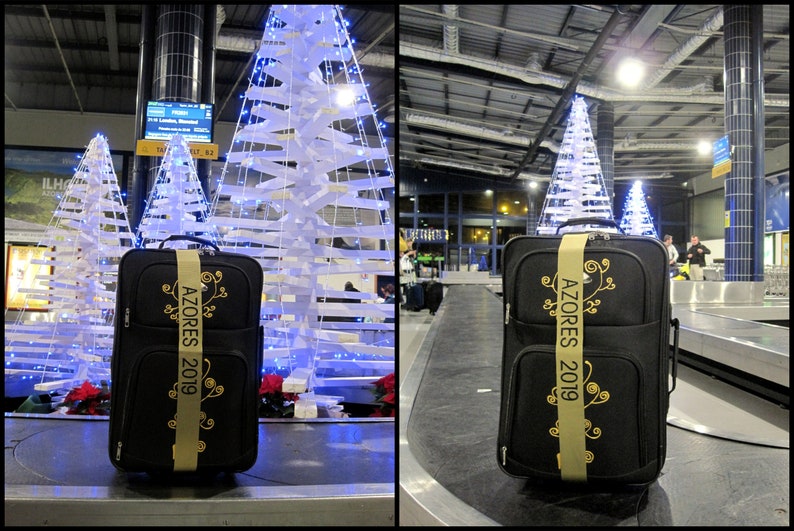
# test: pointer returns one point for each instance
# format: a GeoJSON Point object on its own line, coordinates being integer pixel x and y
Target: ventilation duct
{"type": "Point", "coordinates": [451, 126]}
{"type": "Point", "coordinates": [700, 93]}
{"type": "Point", "coordinates": [476, 168]}
{"type": "Point", "coordinates": [228, 41]}
{"type": "Point", "coordinates": [450, 30]}
{"type": "Point", "coordinates": [500, 172]}
{"type": "Point", "coordinates": [712, 25]}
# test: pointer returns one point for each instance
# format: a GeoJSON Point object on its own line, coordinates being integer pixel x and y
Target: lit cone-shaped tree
{"type": "Point", "coordinates": [303, 191]}
{"type": "Point", "coordinates": [176, 204]}
{"type": "Point", "coordinates": [85, 239]}
{"type": "Point", "coordinates": [636, 218]}
{"type": "Point", "coordinates": [577, 188]}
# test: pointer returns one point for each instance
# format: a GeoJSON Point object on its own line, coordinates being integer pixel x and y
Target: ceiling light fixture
{"type": "Point", "coordinates": [704, 147]}
{"type": "Point", "coordinates": [630, 72]}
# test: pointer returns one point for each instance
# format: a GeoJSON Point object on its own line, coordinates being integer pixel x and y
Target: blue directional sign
{"type": "Point", "coordinates": [722, 157]}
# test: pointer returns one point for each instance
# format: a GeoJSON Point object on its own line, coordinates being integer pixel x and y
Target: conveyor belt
{"type": "Point", "coordinates": [449, 404]}
{"type": "Point", "coordinates": [313, 472]}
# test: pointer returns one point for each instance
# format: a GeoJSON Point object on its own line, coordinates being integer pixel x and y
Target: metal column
{"type": "Point", "coordinates": [759, 135]}
{"type": "Point", "coordinates": [177, 64]}
{"type": "Point", "coordinates": [605, 144]}
{"type": "Point", "coordinates": [138, 186]}
{"type": "Point", "coordinates": [739, 125]}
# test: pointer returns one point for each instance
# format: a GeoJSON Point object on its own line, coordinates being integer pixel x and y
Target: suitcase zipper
{"type": "Point", "coordinates": [598, 234]}
{"type": "Point", "coordinates": [126, 317]}
{"type": "Point", "coordinates": [507, 313]}
{"type": "Point", "coordinates": [118, 451]}
{"type": "Point", "coordinates": [504, 455]}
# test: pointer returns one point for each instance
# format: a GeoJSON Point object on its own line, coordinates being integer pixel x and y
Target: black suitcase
{"type": "Point", "coordinates": [168, 364]}
{"type": "Point", "coordinates": [597, 416]}
{"type": "Point", "coordinates": [415, 297]}
{"type": "Point", "coordinates": [434, 295]}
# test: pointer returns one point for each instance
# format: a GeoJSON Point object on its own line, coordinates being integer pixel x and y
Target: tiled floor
{"type": "Point", "coordinates": [725, 446]}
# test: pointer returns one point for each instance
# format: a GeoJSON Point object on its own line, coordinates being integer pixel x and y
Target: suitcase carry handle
{"type": "Point", "coordinates": [675, 324]}
{"type": "Point", "coordinates": [194, 239]}
{"type": "Point", "coordinates": [588, 221]}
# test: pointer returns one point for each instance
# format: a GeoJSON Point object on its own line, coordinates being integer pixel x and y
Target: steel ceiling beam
{"type": "Point", "coordinates": [111, 27]}
{"type": "Point", "coordinates": [63, 59]}
{"type": "Point", "coordinates": [568, 92]}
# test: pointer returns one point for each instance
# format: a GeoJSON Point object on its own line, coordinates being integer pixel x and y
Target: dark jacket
{"type": "Point", "coordinates": [698, 258]}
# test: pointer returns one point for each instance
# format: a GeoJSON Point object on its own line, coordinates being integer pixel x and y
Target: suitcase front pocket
{"type": "Point", "coordinates": [148, 422]}
{"type": "Point", "coordinates": [616, 288]}
{"type": "Point", "coordinates": [614, 423]}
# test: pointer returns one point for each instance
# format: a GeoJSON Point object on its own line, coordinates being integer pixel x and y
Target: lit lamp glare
{"type": "Point", "coordinates": [630, 72]}
{"type": "Point", "coordinates": [345, 98]}
{"type": "Point", "coordinates": [704, 147]}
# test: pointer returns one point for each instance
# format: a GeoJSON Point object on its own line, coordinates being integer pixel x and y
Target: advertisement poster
{"type": "Point", "coordinates": [36, 181]}
{"type": "Point", "coordinates": [21, 274]}
{"type": "Point", "coordinates": [777, 203]}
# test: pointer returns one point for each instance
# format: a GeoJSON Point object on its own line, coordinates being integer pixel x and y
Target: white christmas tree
{"type": "Point", "coordinates": [85, 239]}
{"type": "Point", "coordinates": [303, 192]}
{"type": "Point", "coordinates": [176, 204]}
{"type": "Point", "coordinates": [577, 188]}
{"type": "Point", "coordinates": [636, 218]}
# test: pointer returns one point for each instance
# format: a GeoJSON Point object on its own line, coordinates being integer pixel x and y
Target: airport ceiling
{"type": "Point", "coordinates": [480, 86]}
{"type": "Point", "coordinates": [84, 58]}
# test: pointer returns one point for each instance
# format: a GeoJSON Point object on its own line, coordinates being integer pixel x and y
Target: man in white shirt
{"type": "Point", "coordinates": [672, 252]}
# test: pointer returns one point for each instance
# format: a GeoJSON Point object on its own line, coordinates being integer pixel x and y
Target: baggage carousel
{"type": "Point", "coordinates": [727, 449]}
{"type": "Point", "coordinates": [308, 472]}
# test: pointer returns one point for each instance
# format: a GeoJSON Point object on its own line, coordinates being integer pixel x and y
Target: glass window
{"type": "Point", "coordinates": [478, 202]}
{"type": "Point", "coordinates": [512, 203]}
{"type": "Point", "coordinates": [431, 222]}
{"type": "Point", "coordinates": [507, 228]}
{"type": "Point", "coordinates": [407, 204]}
{"type": "Point", "coordinates": [477, 232]}
{"type": "Point", "coordinates": [431, 204]}
{"type": "Point", "coordinates": [453, 201]}
{"type": "Point", "coordinates": [452, 234]}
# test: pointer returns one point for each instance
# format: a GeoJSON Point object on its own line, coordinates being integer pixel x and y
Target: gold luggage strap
{"type": "Point", "coordinates": [569, 357]}
{"type": "Point", "coordinates": [188, 405]}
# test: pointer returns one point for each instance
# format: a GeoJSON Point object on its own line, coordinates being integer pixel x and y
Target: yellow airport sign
{"type": "Point", "coordinates": [721, 169]}
{"type": "Point", "coordinates": [156, 148]}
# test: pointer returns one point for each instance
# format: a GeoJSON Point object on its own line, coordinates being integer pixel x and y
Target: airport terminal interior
{"type": "Point", "coordinates": [727, 442]}
{"type": "Point", "coordinates": [453, 128]}
{"type": "Point", "coordinates": [494, 148]}
{"type": "Point", "coordinates": [122, 126]}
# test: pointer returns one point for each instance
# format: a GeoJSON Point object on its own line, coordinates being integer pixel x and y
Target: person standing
{"type": "Point", "coordinates": [388, 298]}
{"type": "Point", "coordinates": [407, 267]}
{"type": "Point", "coordinates": [350, 287]}
{"type": "Point", "coordinates": [672, 252]}
{"type": "Point", "coordinates": [696, 254]}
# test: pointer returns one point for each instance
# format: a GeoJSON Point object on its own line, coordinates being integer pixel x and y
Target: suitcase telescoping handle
{"type": "Point", "coordinates": [588, 221]}
{"type": "Point", "coordinates": [194, 239]}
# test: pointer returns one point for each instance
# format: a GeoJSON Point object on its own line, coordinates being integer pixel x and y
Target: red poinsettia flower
{"type": "Point", "coordinates": [271, 383]}
{"type": "Point", "coordinates": [88, 400]}
{"type": "Point", "coordinates": [384, 394]}
{"type": "Point", "coordinates": [85, 392]}
{"type": "Point", "coordinates": [273, 402]}
{"type": "Point", "coordinates": [290, 397]}
{"type": "Point", "coordinates": [388, 399]}
{"type": "Point", "coordinates": [383, 412]}
{"type": "Point", "coordinates": [386, 382]}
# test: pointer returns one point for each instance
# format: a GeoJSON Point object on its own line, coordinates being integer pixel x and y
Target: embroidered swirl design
{"type": "Point", "coordinates": [214, 391]}
{"type": "Point", "coordinates": [595, 395]}
{"type": "Point", "coordinates": [210, 283]}
{"type": "Point", "coordinates": [596, 272]}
